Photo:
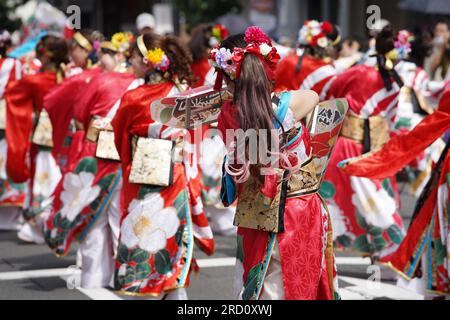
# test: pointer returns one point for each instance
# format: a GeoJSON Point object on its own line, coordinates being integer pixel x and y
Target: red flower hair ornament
{"type": "Point", "coordinates": [258, 44]}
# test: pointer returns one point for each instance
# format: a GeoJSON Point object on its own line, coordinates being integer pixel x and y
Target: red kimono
{"type": "Point", "coordinates": [60, 105]}
{"type": "Point", "coordinates": [423, 256]}
{"type": "Point", "coordinates": [364, 212]}
{"type": "Point", "coordinates": [11, 194]}
{"type": "Point", "coordinates": [315, 74]}
{"type": "Point", "coordinates": [305, 247]}
{"type": "Point", "coordinates": [24, 100]}
{"type": "Point", "coordinates": [88, 183]}
{"type": "Point", "coordinates": [160, 224]}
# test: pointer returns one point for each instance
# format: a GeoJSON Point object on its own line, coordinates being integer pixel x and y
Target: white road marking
{"type": "Point", "coordinates": [215, 263]}
{"type": "Point", "coordinates": [32, 274]}
{"type": "Point", "coordinates": [371, 289]}
{"type": "Point", "coordinates": [203, 263]}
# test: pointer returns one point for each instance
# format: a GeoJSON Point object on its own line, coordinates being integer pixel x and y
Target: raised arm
{"type": "Point", "coordinates": [303, 102]}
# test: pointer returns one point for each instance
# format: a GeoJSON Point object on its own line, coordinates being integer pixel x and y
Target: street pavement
{"type": "Point", "coordinates": [32, 272]}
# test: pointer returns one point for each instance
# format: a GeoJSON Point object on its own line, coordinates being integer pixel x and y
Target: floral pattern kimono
{"type": "Point", "coordinates": [315, 74]}
{"type": "Point", "coordinates": [305, 247]}
{"type": "Point", "coordinates": [423, 256]}
{"type": "Point", "coordinates": [24, 102]}
{"type": "Point", "coordinates": [160, 224]}
{"type": "Point", "coordinates": [365, 212]}
{"type": "Point", "coordinates": [60, 105]}
{"type": "Point", "coordinates": [11, 194]}
{"type": "Point", "coordinates": [416, 100]}
{"type": "Point", "coordinates": [88, 183]}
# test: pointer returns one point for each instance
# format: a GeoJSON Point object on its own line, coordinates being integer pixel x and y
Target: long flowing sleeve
{"type": "Point", "coordinates": [19, 125]}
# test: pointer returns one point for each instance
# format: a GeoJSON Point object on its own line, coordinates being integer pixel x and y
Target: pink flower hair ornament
{"type": "Point", "coordinates": [258, 44]}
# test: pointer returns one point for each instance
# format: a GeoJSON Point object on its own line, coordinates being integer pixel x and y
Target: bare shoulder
{"type": "Point", "coordinates": [303, 102]}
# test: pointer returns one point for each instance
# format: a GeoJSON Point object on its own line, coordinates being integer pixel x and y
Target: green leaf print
{"type": "Point", "coordinates": [142, 271]}
{"type": "Point", "coordinates": [403, 123]}
{"type": "Point", "coordinates": [180, 205]}
{"type": "Point", "coordinates": [251, 283]}
{"type": "Point", "coordinates": [440, 252]}
{"type": "Point", "coordinates": [327, 190]}
{"type": "Point", "coordinates": [361, 244]}
{"type": "Point", "coordinates": [387, 186]}
{"type": "Point", "coordinates": [105, 183]}
{"type": "Point", "coordinates": [395, 234]}
{"type": "Point", "coordinates": [361, 221]}
{"type": "Point", "coordinates": [162, 262]}
{"type": "Point", "coordinates": [379, 243]}
{"type": "Point", "coordinates": [145, 190]}
{"type": "Point", "coordinates": [139, 256]}
{"type": "Point", "coordinates": [240, 249]}
{"type": "Point", "coordinates": [344, 241]}
{"type": "Point", "coordinates": [123, 254]}
{"type": "Point", "coordinates": [448, 179]}
{"type": "Point", "coordinates": [88, 164]}
{"type": "Point", "coordinates": [375, 231]}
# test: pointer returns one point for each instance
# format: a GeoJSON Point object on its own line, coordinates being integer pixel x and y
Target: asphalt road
{"type": "Point", "coordinates": [32, 272]}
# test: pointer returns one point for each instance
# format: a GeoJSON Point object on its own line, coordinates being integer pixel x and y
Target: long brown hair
{"type": "Point", "coordinates": [178, 54]}
{"type": "Point", "coordinates": [252, 96]}
{"type": "Point", "coordinates": [55, 49]}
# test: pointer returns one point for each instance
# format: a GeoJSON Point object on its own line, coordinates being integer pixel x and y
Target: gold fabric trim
{"type": "Point", "coordinates": [43, 133]}
{"type": "Point", "coordinates": [141, 46]}
{"type": "Point", "coordinates": [353, 128]}
{"type": "Point", "coordinates": [82, 41]}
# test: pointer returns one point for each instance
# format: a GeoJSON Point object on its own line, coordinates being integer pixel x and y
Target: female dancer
{"type": "Point", "coordinates": [161, 220]}
{"type": "Point", "coordinates": [12, 195]}
{"type": "Point", "coordinates": [24, 102]}
{"type": "Point", "coordinates": [60, 102]}
{"type": "Point", "coordinates": [418, 98]}
{"type": "Point", "coordinates": [86, 201]}
{"type": "Point", "coordinates": [365, 212]}
{"type": "Point", "coordinates": [422, 258]}
{"type": "Point", "coordinates": [313, 68]}
{"type": "Point", "coordinates": [205, 37]}
{"type": "Point", "coordinates": [299, 262]}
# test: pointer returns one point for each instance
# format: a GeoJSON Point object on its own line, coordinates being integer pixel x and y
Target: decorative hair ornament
{"type": "Point", "coordinates": [155, 58]}
{"type": "Point", "coordinates": [219, 33]}
{"type": "Point", "coordinates": [314, 34]}
{"type": "Point", "coordinates": [258, 44]}
{"type": "Point", "coordinates": [5, 36]}
{"type": "Point", "coordinates": [402, 44]}
{"type": "Point", "coordinates": [83, 42]}
{"type": "Point", "coordinates": [122, 41]}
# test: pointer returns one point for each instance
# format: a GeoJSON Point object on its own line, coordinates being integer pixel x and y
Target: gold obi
{"type": "Point", "coordinates": [254, 211]}
{"type": "Point", "coordinates": [101, 132]}
{"type": "Point", "coordinates": [354, 128]}
{"type": "Point", "coordinates": [2, 114]}
{"type": "Point", "coordinates": [43, 132]}
{"type": "Point", "coordinates": [407, 96]}
{"type": "Point", "coordinates": [153, 160]}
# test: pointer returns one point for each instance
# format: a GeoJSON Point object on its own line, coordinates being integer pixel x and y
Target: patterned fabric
{"type": "Point", "coordinates": [306, 247]}
{"type": "Point", "coordinates": [315, 74]}
{"type": "Point", "coordinates": [424, 253]}
{"type": "Point", "coordinates": [24, 100]}
{"type": "Point", "coordinates": [417, 87]}
{"type": "Point", "coordinates": [159, 225]}
{"type": "Point", "coordinates": [11, 194]}
{"type": "Point", "coordinates": [364, 211]}
{"type": "Point", "coordinates": [88, 183]}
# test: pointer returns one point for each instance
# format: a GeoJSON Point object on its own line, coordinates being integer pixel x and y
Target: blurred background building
{"type": "Point", "coordinates": [281, 18]}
